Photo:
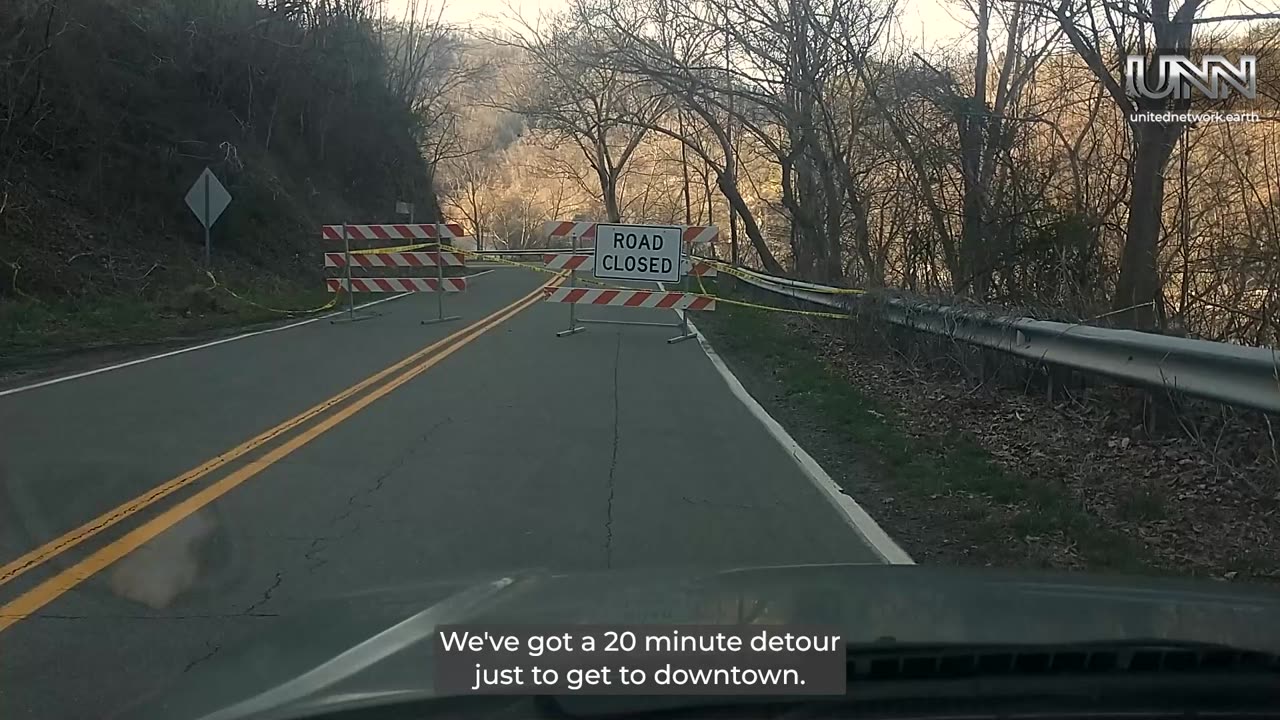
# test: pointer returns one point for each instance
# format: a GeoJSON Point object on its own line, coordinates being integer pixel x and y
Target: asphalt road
{"type": "Point", "coordinates": [517, 449]}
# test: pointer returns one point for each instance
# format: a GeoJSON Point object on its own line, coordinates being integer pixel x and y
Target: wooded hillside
{"type": "Point", "coordinates": [310, 111]}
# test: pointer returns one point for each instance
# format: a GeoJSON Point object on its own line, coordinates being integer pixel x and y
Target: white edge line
{"type": "Point", "coordinates": [222, 341]}
{"type": "Point", "coordinates": [859, 519]}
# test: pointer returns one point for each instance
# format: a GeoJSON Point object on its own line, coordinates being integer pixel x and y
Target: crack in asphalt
{"type": "Point", "coordinates": [318, 545]}
{"type": "Point", "coordinates": [613, 462]}
{"type": "Point", "coordinates": [736, 506]}
{"type": "Point", "coordinates": [266, 594]}
{"type": "Point", "coordinates": [213, 650]}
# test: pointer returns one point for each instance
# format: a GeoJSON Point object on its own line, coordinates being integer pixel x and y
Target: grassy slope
{"type": "Point", "coordinates": [32, 328]}
{"type": "Point", "coordinates": [945, 487]}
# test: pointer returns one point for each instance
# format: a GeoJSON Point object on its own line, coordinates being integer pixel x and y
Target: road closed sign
{"type": "Point", "coordinates": [638, 252]}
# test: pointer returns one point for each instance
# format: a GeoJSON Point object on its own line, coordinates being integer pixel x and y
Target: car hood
{"type": "Point", "coordinates": [378, 644]}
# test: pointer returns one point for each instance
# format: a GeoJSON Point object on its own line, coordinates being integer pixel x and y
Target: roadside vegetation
{"type": "Point", "coordinates": [309, 111]}
{"type": "Point", "coordinates": [982, 470]}
{"type": "Point", "coordinates": [37, 329]}
{"type": "Point", "coordinates": [958, 503]}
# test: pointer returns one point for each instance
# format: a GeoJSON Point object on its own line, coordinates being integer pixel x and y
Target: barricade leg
{"type": "Point", "coordinates": [684, 314]}
{"type": "Point", "coordinates": [574, 327]}
{"type": "Point", "coordinates": [439, 318]}
{"type": "Point", "coordinates": [684, 329]}
{"type": "Point", "coordinates": [351, 294]}
{"type": "Point", "coordinates": [630, 322]}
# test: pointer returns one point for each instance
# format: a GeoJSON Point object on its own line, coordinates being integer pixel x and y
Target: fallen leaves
{"type": "Point", "coordinates": [1203, 503]}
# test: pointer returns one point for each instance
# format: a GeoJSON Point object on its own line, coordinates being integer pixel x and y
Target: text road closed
{"type": "Point", "coordinates": [638, 252]}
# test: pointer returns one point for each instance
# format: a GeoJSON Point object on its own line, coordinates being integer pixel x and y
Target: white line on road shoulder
{"type": "Point", "coordinates": [853, 513]}
{"type": "Point", "coordinates": [179, 351]}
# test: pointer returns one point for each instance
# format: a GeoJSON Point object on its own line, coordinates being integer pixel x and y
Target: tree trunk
{"type": "Point", "coordinates": [608, 191]}
{"type": "Point", "coordinates": [872, 273]}
{"type": "Point", "coordinates": [800, 254]}
{"type": "Point", "coordinates": [1138, 288]}
{"type": "Point", "coordinates": [834, 270]}
{"type": "Point", "coordinates": [803, 253]}
{"type": "Point", "coordinates": [684, 172]}
{"type": "Point", "coordinates": [974, 277]}
{"type": "Point", "coordinates": [730, 191]}
{"type": "Point", "coordinates": [974, 273]}
{"type": "Point", "coordinates": [611, 201]}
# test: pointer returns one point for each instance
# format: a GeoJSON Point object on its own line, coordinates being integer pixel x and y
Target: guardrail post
{"type": "Point", "coordinates": [1055, 383]}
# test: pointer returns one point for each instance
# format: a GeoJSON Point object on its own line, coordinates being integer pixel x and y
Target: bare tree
{"type": "Point", "coordinates": [1103, 34]}
{"type": "Point", "coordinates": [602, 111]}
{"type": "Point", "coordinates": [1006, 171]}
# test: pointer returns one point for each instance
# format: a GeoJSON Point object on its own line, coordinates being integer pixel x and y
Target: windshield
{"type": "Point", "coordinates": [897, 321]}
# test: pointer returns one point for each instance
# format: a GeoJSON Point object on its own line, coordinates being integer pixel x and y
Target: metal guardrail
{"type": "Point", "coordinates": [1232, 374]}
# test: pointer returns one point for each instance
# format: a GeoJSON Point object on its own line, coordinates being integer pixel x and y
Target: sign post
{"type": "Point", "coordinates": [207, 199]}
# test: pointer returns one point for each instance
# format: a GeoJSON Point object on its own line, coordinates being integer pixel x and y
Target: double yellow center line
{"type": "Point", "coordinates": [46, 592]}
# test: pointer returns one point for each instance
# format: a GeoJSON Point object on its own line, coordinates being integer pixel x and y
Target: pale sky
{"type": "Point", "coordinates": [932, 20]}
{"type": "Point", "coordinates": [924, 23]}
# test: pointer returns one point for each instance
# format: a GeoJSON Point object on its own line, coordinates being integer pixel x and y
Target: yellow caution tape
{"type": "Point", "coordinates": [513, 263]}
{"type": "Point", "coordinates": [332, 302]}
{"type": "Point", "coordinates": [396, 249]}
{"type": "Point", "coordinates": [819, 289]}
{"type": "Point", "coordinates": [810, 313]}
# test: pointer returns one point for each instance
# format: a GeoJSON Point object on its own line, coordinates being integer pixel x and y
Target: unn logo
{"type": "Point", "coordinates": [1177, 76]}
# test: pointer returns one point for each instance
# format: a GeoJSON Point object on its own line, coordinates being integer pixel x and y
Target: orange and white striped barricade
{"type": "Point", "coordinates": [622, 297]}
{"type": "Point", "coordinates": [395, 258]}
{"type": "Point", "coordinates": [614, 262]}
{"type": "Point", "coordinates": [401, 231]}
{"type": "Point", "coordinates": [585, 230]}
